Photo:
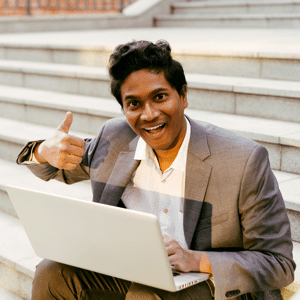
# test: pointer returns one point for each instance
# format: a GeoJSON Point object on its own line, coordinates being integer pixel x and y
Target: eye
{"type": "Point", "coordinates": [160, 96]}
{"type": "Point", "coordinates": [133, 103]}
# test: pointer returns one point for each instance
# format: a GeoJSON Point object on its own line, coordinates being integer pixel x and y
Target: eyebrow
{"type": "Point", "coordinates": [156, 91]}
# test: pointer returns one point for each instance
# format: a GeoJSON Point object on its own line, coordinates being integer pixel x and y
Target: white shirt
{"type": "Point", "coordinates": [161, 194]}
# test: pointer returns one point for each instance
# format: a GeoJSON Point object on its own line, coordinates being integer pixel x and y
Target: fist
{"type": "Point", "coordinates": [62, 150]}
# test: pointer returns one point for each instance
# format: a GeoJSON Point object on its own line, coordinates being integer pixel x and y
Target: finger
{"type": "Point", "coordinates": [69, 166]}
{"type": "Point", "coordinates": [76, 141]}
{"type": "Point", "coordinates": [171, 250]}
{"type": "Point", "coordinates": [66, 124]}
{"type": "Point", "coordinates": [72, 159]}
{"type": "Point", "coordinates": [68, 163]}
{"type": "Point", "coordinates": [76, 151]}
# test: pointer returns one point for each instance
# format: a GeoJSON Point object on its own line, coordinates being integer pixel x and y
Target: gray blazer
{"type": "Point", "coordinates": [233, 208]}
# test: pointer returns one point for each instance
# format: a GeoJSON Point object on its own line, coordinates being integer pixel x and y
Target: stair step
{"type": "Point", "coordinates": [233, 7]}
{"type": "Point", "coordinates": [232, 52]}
{"type": "Point", "coordinates": [80, 80]}
{"type": "Point", "coordinates": [17, 258]}
{"type": "Point", "coordinates": [8, 295]}
{"type": "Point", "coordinates": [274, 99]}
{"type": "Point", "coordinates": [49, 108]}
{"type": "Point", "coordinates": [229, 20]}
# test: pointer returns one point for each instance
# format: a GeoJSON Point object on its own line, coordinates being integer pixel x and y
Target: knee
{"type": "Point", "coordinates": [141, 292]}
{"type": "Point", "coordinates": [48, 276]}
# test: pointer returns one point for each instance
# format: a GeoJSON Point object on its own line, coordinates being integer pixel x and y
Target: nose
{"type": "Point", "coordinates": [149, 112]}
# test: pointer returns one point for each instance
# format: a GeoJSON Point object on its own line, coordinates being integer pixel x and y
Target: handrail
{"type": "Point", "coordinates": [29, 6]}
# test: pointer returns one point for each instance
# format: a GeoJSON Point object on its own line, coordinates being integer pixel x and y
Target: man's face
{"type": "Point", "coordinates": [154, 109]}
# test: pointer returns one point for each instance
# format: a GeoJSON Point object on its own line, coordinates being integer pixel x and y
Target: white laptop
{"type": "Point", "coordinates": [110, 240]}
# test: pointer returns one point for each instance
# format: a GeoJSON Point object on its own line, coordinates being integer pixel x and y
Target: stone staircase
{"type": "Point", "coordinates": [233, 13]}
{"type": "Point", "coordinates": [255, 94]}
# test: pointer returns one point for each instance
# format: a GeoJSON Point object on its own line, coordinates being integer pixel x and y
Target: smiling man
{"type": "Point", "coordinates": [214, 194]}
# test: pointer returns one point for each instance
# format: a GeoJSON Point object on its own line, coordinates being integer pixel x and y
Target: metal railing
{"type": "Point", "coordinates": [29, 6]}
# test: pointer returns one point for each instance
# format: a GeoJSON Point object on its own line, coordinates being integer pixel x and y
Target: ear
{"type": "Point", "coordinates": [183, 95]}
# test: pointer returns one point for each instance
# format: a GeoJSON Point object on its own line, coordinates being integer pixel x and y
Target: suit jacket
{"type": "Point", "coordinates": [233, 208]}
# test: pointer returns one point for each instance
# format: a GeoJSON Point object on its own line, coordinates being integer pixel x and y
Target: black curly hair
{"type": "Point", "coordinates": [138, 55]}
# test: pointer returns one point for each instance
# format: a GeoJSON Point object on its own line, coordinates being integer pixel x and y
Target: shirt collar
{"type": "Point", "coordinates": [145, 152]}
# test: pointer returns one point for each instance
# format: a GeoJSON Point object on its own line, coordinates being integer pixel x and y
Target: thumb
{"type": "Point", "coordinates": [66, 124]}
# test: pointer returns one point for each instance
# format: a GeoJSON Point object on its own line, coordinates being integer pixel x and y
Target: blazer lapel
{"type": "Point", "coordinates": [197, 179]}
{"type": "Point", "coordinates": [120, 175]}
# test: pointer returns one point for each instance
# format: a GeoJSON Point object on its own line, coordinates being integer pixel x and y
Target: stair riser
{"type": "Point", "coordinates": [283, 158]}
{"type": "Point", "coordinates": [85, 122]}
{"type": "Point", "coordinates": [87, 57]}
{"type": "Point", "coordinates": [239, 9]}
{"type": "Point", "coordinates": [247, 104]}
{"type": "Point", "coordinates": [230, 23]}
{"type": "Point", "coordinates": [252, 67]}
{"type": "Point", "coordinates": [10, 150]}
{"type": "Point", "coordinates": [16, 282]}
{"type": "Point", "coordinates": [57, 83]}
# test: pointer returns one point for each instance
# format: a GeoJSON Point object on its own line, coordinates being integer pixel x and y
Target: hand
{"type": "Point", "coordinates": [183, 260]}
{"type": "Point", "coordinates": [62, 150]}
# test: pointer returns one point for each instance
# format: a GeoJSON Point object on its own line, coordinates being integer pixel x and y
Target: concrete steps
{"type": "Point", "coordinates": [229, 21]}
{"type": "Point", "coordinates": [233, 7]}
{"type": "Point", "coordinates": [55, 77]}
{"type": "Point", "coordinates": [272, 62]}
{"type": "Point", "coordinates": [256, 97]}
{"type": "Point", "coordinates": [231, 13]}
{"type": "Point", "coordinates": [8, 295]}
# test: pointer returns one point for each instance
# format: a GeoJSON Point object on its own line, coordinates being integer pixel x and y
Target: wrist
{"type": "Point", "coordinates": [204, 263]}
{"type": "Point", "coordinates": [37, 154]}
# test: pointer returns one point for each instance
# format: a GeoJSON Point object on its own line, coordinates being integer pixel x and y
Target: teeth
{"type": "Point", "coordinates": [153, 128]}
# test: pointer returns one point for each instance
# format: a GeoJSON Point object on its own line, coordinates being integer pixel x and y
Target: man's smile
{"type": "Point", "coordinates": [154, 128]}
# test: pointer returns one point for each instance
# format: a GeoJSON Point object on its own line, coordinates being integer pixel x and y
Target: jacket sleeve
{"type": "Point", "coordinates": [266, 263]}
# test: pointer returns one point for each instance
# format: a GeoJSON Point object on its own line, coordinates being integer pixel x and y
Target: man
{"type": "Point", "coordinates": [216, 198]}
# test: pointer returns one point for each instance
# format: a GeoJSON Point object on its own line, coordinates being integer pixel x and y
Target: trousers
{"type": "Point", "coordinates": [54, 280]}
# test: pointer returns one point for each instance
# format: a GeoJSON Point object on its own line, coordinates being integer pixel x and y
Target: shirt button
{"type": "Point", "coordinates": [163, 181]}
{"type": "Point", "coordinates": [165, 210]}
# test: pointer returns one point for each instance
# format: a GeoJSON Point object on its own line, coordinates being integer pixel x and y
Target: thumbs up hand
{"type": "Point", "coordinates": [62, 150]}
